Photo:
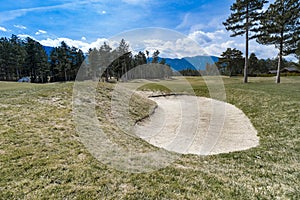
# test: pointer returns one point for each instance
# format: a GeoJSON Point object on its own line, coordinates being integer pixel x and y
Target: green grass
{"type": "Point", "coordinates": [41, 156]}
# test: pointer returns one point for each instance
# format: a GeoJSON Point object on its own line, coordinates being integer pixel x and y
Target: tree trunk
{"type": "Point", "coordinates": [126, 71]}
{"type": "Point", "coordinates": [247, 47]}
{"type": "Point", "coordinates": [279, 59]}
{"type": "Point", "coordinates": [65, 74]}
{"type": "Point", "coordinates": [106, 75]}
{"type": "Point", "coordinates": [278, 69]}
{"type": "Point", "coordinates": [246, 59]}
{"type": "Point", "coordinates": [18, 74]}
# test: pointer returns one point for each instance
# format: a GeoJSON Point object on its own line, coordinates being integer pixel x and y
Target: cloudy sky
{"type": "Point", "coordinates": [88, 23]}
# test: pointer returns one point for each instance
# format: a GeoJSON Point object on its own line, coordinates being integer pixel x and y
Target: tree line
{"type": "Point", "coordinates": [121, 64]}
{"type": "Point", "coordinates": [28, 58]}
{"type": "Point", "coordinates": [231, 63]}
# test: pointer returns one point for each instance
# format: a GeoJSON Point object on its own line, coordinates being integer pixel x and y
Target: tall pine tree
{"type": "Point", "coordinates": [36, 62]}
{"type": "Point", "coordinates": [242, 21]}
{"type": "Point", "coordinates": [280, 26]}
{"type": "Point", "coordinates": [93, 63]}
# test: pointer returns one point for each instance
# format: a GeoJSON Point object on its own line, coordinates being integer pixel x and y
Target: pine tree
{"type": "Point", "coordinates": [139, 60]}
{"type": "Point", "coordinates": [281, 27]}
{"type": "Point", "coordinates": [147, 53]}
{"type": "Point", "coordinates": [242, 21]}
{"type": "Point", "coordinates": [54, 62]}
{"type": "Point", "coordinates": [105, 59]}
{"type": "Point", "coordinates": [64, 56]}
{"type": "Point", "coordinates": [93, 61]}
{"type": "Point", "coordinates": [230, 62]}
{"type": "Point", "coordinates": [36, 61]}
{"type": "Point", "coordinates": [253, 63]}
{"type": "Point", "coordinates": [5, 49]}
{"type": "Point", "coordinates": [77, 57]}
{"type": "Point", "coordinates": [16, 57]}
{"type": "Point", "coordinates": [155, 56]}
{"type": "Point", "coordinates": [123, 60]}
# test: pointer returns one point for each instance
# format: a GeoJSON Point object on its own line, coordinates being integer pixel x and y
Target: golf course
{"type": "Point", "coordinates": [42, 155]}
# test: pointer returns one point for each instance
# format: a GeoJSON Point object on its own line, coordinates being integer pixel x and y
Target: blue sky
{"type": "Point", "coordinates": [86, 23]}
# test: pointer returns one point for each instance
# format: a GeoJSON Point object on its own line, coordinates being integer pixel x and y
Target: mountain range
{"type": "Point", "coordinates": [196, 62]}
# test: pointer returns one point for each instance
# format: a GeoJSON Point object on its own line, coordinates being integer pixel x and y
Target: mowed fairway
{"type": "Point", "coordinates": [41, 156]}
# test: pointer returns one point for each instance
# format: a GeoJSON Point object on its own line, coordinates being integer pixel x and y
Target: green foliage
{"type": "Point", "coordinates": [231, 62]}
{"type": "Point", "coordinates": [65, 62]}
{"type": "Point", "coordinates": [20, 58]}
{"type": "Point", "coordinates": [121, 64]}
{"type": "Point", "coordinates": [155, 56]}
{"type": "Point", "coordinates": [140, 58]}
{"type": "Point", "coordinates": [10, 62]}
{"type": "Point", "coordinates": [244, 17]}
{"type": "Point", "coordinates": [189, 72]}
{"type": "Point", "coordinates": [23, 58]}
{"type": "Point", "coordinates": [253, 63]}
{"type": "Point", "coordinates": [259, 67]}
{"type": "Point", "coordinates": [280, 26]}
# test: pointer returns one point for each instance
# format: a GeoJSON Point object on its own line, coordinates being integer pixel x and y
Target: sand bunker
{"type": "Point", "coordinates": [197, 125]}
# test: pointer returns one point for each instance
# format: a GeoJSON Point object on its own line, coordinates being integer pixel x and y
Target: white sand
{"type": "Point", "coordinates": [197, 125]}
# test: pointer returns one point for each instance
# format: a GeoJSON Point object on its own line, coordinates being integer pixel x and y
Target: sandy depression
{"type": "Point", "coordinates": [197, 125]}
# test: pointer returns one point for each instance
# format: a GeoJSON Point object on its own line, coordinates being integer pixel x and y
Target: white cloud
{"type": "Point", "coordinates": [83, 38]}
{"type": "Point", "coordinates": [3, 29]}
{"type": "Point", "coordinates": [84, 46]}
{"type": "Point", "coordinates": [178, 48]}
{"type": "Point", "coordinates": [214, 43]}
{"type": "Point", "coordinates": [184, 22]}
{"type": "Point", "coordinates": [20, 26]}
{"type": "Point", "coordinates": [40, 32]}
{"type": "Point", "coordinates": [23, 36]}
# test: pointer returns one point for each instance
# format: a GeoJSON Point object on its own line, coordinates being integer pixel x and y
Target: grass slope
{"type": "Point", "coordinates": [41, 156]}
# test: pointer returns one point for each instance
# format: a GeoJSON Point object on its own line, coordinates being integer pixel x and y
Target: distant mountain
{"type": "Point", "coordinates": [196, 62]}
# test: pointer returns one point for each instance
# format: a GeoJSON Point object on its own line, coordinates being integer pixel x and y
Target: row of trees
{"type": "Point", "coordinates": [120, 63]}
{"type": "Point", "coordinates": [21, 58]}
{"type": "Point", "coordinates": [231, 63]}
{"type": "Point", "coordinates": [65, 62]}
{"type": "Point", "coordinates": [279, 25]}
{"type": "Point", "coordinates": [28, 58]}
